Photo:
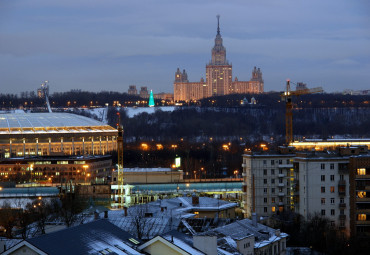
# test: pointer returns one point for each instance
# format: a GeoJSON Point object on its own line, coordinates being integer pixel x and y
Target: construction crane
{"type": "Point", "coordinates": [120, 179]}
{"type": "Point", "coordinates": [287, 97]}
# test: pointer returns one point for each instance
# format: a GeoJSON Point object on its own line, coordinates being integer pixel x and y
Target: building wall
{"type": "Point", "coordinates": [246, 245]}
{"type": "Point", "coordinates": [359, 169]}
{"type": "Point", "coordinates": [57, 144]}
{"type": "Point", "coordinates": [324, 190]}
{"type": "Point", "coordinates": [268, 184]}
{"type": "Point", "coordinates": [206, 244]}
{"type": "Point", "coordinates": [24, 250]}
{"type": "Point", "coordinates": [159, 248]}
{"type": "Point", "coordinates": [152, 177]}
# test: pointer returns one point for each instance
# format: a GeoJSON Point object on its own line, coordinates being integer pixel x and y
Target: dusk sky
{"type": "Point", "coordinates": [108, 45]}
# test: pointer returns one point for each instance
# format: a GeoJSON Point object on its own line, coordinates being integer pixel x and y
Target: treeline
{"type": "Point", "coordinates": [73, 98]}
{"type": "Point", "coordinates": [273, 100]}
{"type": "Point", "coordinates": [201, 124]}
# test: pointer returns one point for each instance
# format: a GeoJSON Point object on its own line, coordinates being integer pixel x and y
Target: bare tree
{"type": "Point", "coordinates": [142, 222]}
{"type": "Point", "coordinates": [71, 209]}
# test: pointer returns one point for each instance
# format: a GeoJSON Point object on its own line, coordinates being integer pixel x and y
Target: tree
{"type": "Point", "coordinates": [71, 209]}
{"type": "Point", "coordinates": [142, 222]}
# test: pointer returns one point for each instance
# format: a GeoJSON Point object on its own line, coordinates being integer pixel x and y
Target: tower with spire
{"type": "Point", "coordinates": [218, 70]}
{"type": "Point", "coordinates": [218, 77]}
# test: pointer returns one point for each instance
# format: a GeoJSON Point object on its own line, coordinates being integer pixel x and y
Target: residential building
{"type": "Point", "coordinates": [144, 92]}
{"type": "Point", "coordinates": [132, 90]}
{"type": "Point", "coordinates": [359, 195]}
{"type": "Point", "coordinates": [243, 237]}
{"type": "Point", "coordinates": [323, 185]}
{"type": "Point", "coordinates": [219, 79]}
{"type": "Point", "coordinates": [97, 237]}
{"type": "Point", "coordinates": [268, 180]}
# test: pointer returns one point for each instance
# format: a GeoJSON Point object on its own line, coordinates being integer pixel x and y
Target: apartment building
{"type": "Point", "coordinates": [323, 186]}
{"type": "Point", "coordinates": [268, 182]}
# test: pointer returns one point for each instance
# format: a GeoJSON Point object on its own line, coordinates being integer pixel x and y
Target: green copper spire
{"type": "Point", "coordinates": [151, 99]}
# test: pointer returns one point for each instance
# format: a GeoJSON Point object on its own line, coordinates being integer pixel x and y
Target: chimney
{"type": "Point", "coordinates": [96, 215]}
{"type": "Point", "coordinates": [125, 209]}
{"type": "Point", "coordinates": [195, 199]}
{"type": "Point", "coordinates": [254, 219]}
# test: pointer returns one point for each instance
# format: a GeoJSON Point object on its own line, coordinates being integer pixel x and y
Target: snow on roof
{"type": "Point", "coordinates": [89, 238]}
{"type": "Point", "coordinates": [132, 111]}
{"type": "Point", "coordinates": [179, 241]}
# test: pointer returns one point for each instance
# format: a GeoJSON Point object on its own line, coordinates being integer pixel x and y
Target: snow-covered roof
{"type": "Point", "coordinates": [89, 238]}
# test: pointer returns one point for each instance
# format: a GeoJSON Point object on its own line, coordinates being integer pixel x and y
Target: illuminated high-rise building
{"type": "Point", "coordinates": [218, 77]}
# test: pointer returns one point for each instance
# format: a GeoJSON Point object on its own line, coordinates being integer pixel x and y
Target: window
{"type": "Point", "coordinates": [280, 180]}
{"type": "Point", "coordinates": [332, 189]}
{"type": "Point", "coordinates": [264, 190]}
{"type": "Point", "coordinates": [280, 161]}
{"type": "Point", "coordinates": [322, 178]}
{"type": "Point", "coordinates": [332, 212]}
{"type": "Point", "coordinates": [265, 199]}
{"type": "Point", "coordinates": [322, 201]}
{"type": "Point", "coordinates": [322, 166]}
{"type": "Point", "coordinates": [361, 194]}
{"type": "Point", "coordinates": [264, 209]}
{"type": "Point", "coordinates": [332, 200]}
{"type": "Point", "coordinates": [361, 171]}
{"type": "Point", "coordinates": [361, 217]}
{"type": "Point", "coordinates": [322, 189]}
{"type": "Point", "coordinates": [341, 177]}
{"type": "Point", "coordinates": [264, 161]}
{"type": "Point", "coordinates": [342, 201]}
{"type": "Point", "coordinates": [273, 209]}
{"type": "Point", "coordinates": [323, 212]}
{"type": "Point", "coordinates": [272, 162]}
{"type": "Point", "coordinates": [332, 223]}
{"type": "Point", "coordinates": [272, 200]}
{"type": "Point", "coordinates": [272, 171]}
{"type": "Point", "coordinates": [273, 190]}
{"type": "Point", "coordinates": [264, 171]}
{"type": "Point", "coordinates": [272, 181]}
{"type": "Point", "coordinates": [332, 177]}
{"type": "Point", "coordinates": [264, 181]}
{"type": "Point", "coordinates": [331, 166]}
{"type": "Point", "coordinates": [280, 171]}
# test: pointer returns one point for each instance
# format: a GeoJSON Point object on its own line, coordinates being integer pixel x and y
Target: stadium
{"type": "Point", "coordinates": [54, 148]}
{"type": "Point", "coordinates": [45, 134]}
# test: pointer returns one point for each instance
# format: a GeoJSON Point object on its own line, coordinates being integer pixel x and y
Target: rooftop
{"type": "Point", "coordinates": [20, 123]}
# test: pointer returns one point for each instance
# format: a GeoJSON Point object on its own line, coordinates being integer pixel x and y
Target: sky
{"type": "Point", "coordinates": [97, 45]}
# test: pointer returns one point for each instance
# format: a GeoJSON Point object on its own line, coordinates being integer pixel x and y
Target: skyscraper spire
{"type": "Point", "coordinates": [218, 24]}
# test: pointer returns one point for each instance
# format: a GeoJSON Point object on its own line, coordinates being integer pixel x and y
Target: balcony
{"type": "Point", "coordinates": [362, 222]}
{"type": "Point", "coordinates": [281, 175]}
{"type": "Point", "coordinates": [342, 216]}
{"type": "Point", "coordinates": [363, 199]}
{"type": "Point", "coordinates": [342, 205]}
{"type": "Point", "coordinates": [281, 184]}
{"type": "Point", "coordinates": [281, 194]}
{"type": "Point", "coordinates": [362, 177]}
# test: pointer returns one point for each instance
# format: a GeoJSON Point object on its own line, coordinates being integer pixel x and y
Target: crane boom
{"type": "Point", "coordinates": [287, 97]}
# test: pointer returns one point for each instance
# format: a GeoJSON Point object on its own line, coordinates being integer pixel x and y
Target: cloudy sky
{"type": "Point", "coordinates": [110, 44]}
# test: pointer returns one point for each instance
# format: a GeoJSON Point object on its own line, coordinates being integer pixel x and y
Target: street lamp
{"type": "Point", "coordinates": [236, 173]}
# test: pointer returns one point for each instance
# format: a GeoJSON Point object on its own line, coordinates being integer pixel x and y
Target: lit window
{"type": "Point", "coordinates": [273, 209]}
{"type": "Point", "coordinates": [361, 194]}
{"type": "Point", "coordinates": [361, 171]}
{"type": "Point", "coordinates": [332, 189]}
{"type": "Point", "coordinates": [322, 189]}
{"type": "Point", "coordinates": [361, 217]}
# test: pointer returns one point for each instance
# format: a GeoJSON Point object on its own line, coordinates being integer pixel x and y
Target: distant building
{"type": "Point", "coordinates": [218, 78]}
{"type": "Point", "coordinates": [144, 92]}
{"type": "Point", "coordinates": [150, 175]}
{"type": "Point", "coordinates": [132, 90]}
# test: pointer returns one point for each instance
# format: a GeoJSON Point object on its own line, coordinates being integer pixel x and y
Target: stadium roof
{"type": "Point", "coordinates": [23, 123]}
